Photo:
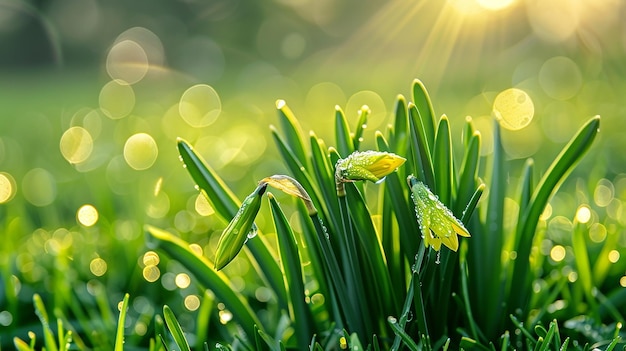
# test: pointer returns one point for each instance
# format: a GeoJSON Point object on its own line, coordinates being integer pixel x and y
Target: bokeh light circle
{"type": "Point", "coordinates": [87, 215]}
{"type": "Point", "coordinates": [127, 61]}
{"type": "Point", "coordinates": [560, 78]}
{"type": "Point", "coordinates": [140, 151]}
{"type": "Point", "coordinates": [7, 187]}
{"type": "Point", "coordinates": [117, 99]}
{"type": "Point", "coordinates": [378, 111]}
{"type": "Point", "coordinates": [554, 20]}
{"type": "Point", "coordinates": [39, 187]}
{"type": "Point", "coordinates": [76, 145]}
{"type": "Point", "coordinates": [200, 105]}
{"type": "Point", "coordinates": [513, 108]}
{"type": "Point", "coordinates": [98, 267]}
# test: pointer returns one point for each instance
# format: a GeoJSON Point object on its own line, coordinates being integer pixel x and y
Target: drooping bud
{"type": "Point", "coordinates": [237, 232]}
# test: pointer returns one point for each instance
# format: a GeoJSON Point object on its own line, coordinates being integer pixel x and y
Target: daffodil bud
{"type": "Point", "coordinates": [240, 228]}
{"type": "Point", "coordinates": [367, 165]}
{"type": "Point", "coordinates": [437, 223]}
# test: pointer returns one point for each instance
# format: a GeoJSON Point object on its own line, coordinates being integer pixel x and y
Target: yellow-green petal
{"type": "Point", "coordinates": [437, 223]}
{"type": "Point", "coordinates": [239, 229]}
{"type": "Point", "coordinates": [367, 165]}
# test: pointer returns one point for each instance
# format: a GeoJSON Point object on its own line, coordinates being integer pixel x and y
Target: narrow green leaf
{"type": "Point", "coordinates": [468, 173]}
{"type": "Point", "coordinates": [175, 329]}
{"type": "Point", "coordinates": [292, 269]}
{"type": "Point", "coordinates": [119, 335]}
{"type": "Point", "coordinates": [581, 258]}
{"type": "Point", "coordinates": [547, 339]}
{"type": "Point", "coordinates": [399, 331]}
{"type": "Point", "coordinates": [421, 98]}
{"type": "Point", "coordinates": [20, 345]}
{"type": "Point", "coordinates": [443, 163]}
{"type": "Point", "coordinates": [363, 113]}
{"type": "Point", "coordinates": [421, 150]}
{"type": "Point", "coordinates": [400, 141]}
{"type": "Point", "coordinates": [548, 184]}
{"type": "Point", "coordinates": [40, 310]}
{"type": "Point", "coordinates": [291, 130]}
{"type": "Point", "coordinates": [207, 276]}
{"type": "Point", "coordinates": [342, 133]}
{"type": "Point", "coordinates": [203, 318]}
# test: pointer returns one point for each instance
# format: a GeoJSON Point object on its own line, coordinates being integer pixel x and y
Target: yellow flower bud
{"type": "Point", "coordinates": [437, 223]}
{"type": "Point", "coordinates": [240, 228]}
{"type": "Point", "coordinates": [367, 165]}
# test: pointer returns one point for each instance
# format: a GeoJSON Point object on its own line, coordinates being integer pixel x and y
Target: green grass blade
{"type": "Point", "coordinates": [487, 244]}
{"type": "Point", "coordinates": [364, 112]}
{"type": "Point", "coordinates": [342, 133]}
{"type": "Point", "coordinates": [581, 258]}
{"type": "Point", "coordinates": [468, 173]}
{"type": "Point", "coordinates": [292, 268]}
{"type": "Point", "coordinates": [421, 150]}
{"type": "Point", "coordinates": [324, 173]}
{"type": "Point", "coordinates": [175, 329]}
{"type": "Point", "coordinates": [442, 163]}
{"type": "Point", "coordinates": [373, 250]}
{"type": "Point", "coordinates": [399, 331]}
{"type": "Point", "coordinates": [119, 335]}
{"type": "Point", "coordinates": [400, 140]}
{"type": "Point", "coordinates": [209, 278]}
{"type": "Point", "coordinates": [548, 184]}
{"type": "Point", "coordinates": [40, 310]}
{"type": "Point", "coordinates": [291, 130]}
{"type": "Point", "coordinates": [21, 345]}
{"type": "Point", "coordinates": [547, 339]}
{"type": "Point", "coordinates": [421, 99]}
{"type": "Point", "coordinates": [203, 318]}
{"type": "Point", "coordinates": [226, 205]}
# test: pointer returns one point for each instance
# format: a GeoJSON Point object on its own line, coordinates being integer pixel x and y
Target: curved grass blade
{"type": "Point", "coordinates": [226, 205]}
{"type": "Point", "coordinates": [548, 184]}
{"type": "Point", "coordinates": [399, 331]}
{"type": "Point", "coordinates": [207, 277]}
{"type": "Point", "coordinates": [342, 133]}
{"type": "Point", "coordinates": [443, 163]}
{"type": "Point", "coordinates": [291, 130]}
{"type": "Point", "coordinates": [422, 101]}
{"type": "Point", "coordinates": [40, 311]}
{"type": "Point", "coordinates": [119, 335]}
{"type": "Point", "coordinates": [422, 158]}
{"type": "Point", "coordinates": [364, 112]}
{"type": "Point", "coordinates": [468, 173]}
{"type": "Point", "coordinates": [400, 140]}
{"type": "Point", "coordinates": [290, 259]}
{"type": "Point", "coordinates": [175, 329]}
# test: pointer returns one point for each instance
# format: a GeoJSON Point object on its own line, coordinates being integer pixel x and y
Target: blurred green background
{"type": "Point", "coordinates": [93, 95]}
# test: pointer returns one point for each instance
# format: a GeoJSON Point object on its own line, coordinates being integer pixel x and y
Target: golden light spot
{"type": "Point", "coordinates": [140, 328]}
{"type": "Point", "coordinates": [98, 267]}
{"type": "Point", "coordinates": [7, 187]}
{"type": "Point", "coordinates": [547, 213]}
{"type": "Point", "coordinates": [614, 256]}
{"type": "Point", "coordinates": [560, 78]}
{"type": "Point", "coordinates": [39, 187]}
{"type": "Point", "coordinates": [597, 232]}
{"type": "Point", "coordinates": [603, 193]}
{"type": "Point", "coordinates": [225, 316]}
{"type": "Point", "coordinates": [117, 99]}
{"type": "Point", "coordinates": [87, 215]}
{"type": "Point", "coordinates": [376, 105]}
{"type": "Point", "coordinates": [127, 61]}
{"type": "Point", "coordinates": [182, 280]}
{"type": "Point", "coordinates": [622, 281]}
{"type": "Point", "coordinates": [192, 302]}
{"type": "Point", "coordinates": [140, 151]}
{"type": "Point", "coordinates": [572, 276]}
{"type": "Point", "coordinates": [151, 273]}
{"type": "Point", "coordinates": [197, 249]}
{"type": "Point", "coordinates": [557, 253]}
{"type": "Point", "coordinates": [494, 5]}
{"type": "Point", "coordinates": [263, 294]}
{"type": "Point", "coordinates": [76, 145]}
{"type": "Point", "coordinates": [202, 206]}
{"type": "Point", "coordinates": [151, 258]}
{"type": "Point", "coordinates": [583, 214]}
{"type": "Point", "coordinates": [200, 105]}
{"type": "Point", "coordinates": [513, 109]}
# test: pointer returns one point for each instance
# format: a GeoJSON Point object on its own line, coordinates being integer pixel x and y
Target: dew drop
{"type": "Point", "coordinates": [253, 232]}
{"type": "Point", "coordinates": [438, 259]}
{"type": "Point", "coordinates": [381, 180]}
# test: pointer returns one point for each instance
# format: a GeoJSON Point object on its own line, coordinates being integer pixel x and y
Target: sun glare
{"type": "Point", "coordinates": [495, 5]}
